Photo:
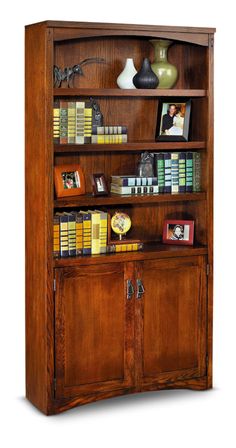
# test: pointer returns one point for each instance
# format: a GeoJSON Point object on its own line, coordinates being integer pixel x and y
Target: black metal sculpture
{"type": "Point", "coordinates": [97, 117]}
{"type": "Point", "coordinates": [69, 73]}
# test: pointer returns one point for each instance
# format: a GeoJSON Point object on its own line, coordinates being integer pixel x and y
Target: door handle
{"type": "Point", "coordinates": [140, 289]}
{"type": "Point", "coordinates": [129, 289]}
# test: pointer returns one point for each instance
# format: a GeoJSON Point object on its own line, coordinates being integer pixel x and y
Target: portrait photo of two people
{"type": "Point", "coordinates": [174, 120]}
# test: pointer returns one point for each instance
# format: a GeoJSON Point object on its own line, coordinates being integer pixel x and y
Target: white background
{"type": "Point", "coordinates": [168, 418]}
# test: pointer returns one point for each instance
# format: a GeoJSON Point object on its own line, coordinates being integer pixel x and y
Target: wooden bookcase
{"type": "Point", "coordinates": [85, 340]}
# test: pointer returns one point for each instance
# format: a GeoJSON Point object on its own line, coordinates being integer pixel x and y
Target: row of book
{"type": "Point", "coordinates": [79, 233]}
{"type": "Point", "coordinates": [73, 123]}
{"type": "Point", "coordinates": [174, 173]}
{"type": "Point", "coordinates": [178, 172]}
{"type": "Point", "coordinates": [85, 233]}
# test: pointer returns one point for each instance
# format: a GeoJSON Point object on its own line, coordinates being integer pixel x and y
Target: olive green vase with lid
{"type": "Point", "coordinates": [166, 72]}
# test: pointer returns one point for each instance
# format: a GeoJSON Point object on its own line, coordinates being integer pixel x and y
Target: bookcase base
{"type": "Point", "coordinates": [59, 406]}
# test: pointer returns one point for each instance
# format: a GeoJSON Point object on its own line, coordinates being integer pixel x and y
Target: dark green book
{"type": "Point", "coordinates": [196, 171]}
{"type": "Point", "coordinates": [160, 171]}
{"type": "Point", "coordinates": [189, 172]}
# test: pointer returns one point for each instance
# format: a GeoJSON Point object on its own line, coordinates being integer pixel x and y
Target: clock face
{"type": "Point", "coordinates": [120, 223]}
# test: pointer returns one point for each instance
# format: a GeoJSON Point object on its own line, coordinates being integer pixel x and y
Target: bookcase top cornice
{"type": "Point", "coordinates": [124, 26]}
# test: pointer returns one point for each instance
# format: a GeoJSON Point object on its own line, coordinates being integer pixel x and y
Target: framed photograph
{"type": "Point", "coordinates": [69, 180]}
{"type": "Point", "coordinates": [99, 184]}
{"type": "Point", "coordinates": [178, 232]}
{"type": "Point", "coordinates": [173, 120]}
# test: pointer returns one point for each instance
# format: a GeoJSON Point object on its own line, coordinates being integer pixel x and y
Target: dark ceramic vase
{"type": "Point", "coordinates": [146, 78]}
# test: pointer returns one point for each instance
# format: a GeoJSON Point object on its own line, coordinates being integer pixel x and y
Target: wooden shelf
{"type": "Point", "coordinates": [150, 251]}
{"type": "Point", "coordinates": [130, 92]}
{"type": "Point", "coordinates": [112, 199]}
{"type": "Point", "coordinates": [129, 147]}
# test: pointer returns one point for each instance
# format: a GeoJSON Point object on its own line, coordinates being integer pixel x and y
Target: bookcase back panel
{"type": "Point", "coordinates": [190, 59]}
{"type": "Point", "coordinates": [110, 163]}
{"type": "Point", "coordinates": [107, 163]}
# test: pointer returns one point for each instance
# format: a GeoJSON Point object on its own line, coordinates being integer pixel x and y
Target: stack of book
{"type": "Point", "coordinates": [109, 134]}
{"type": "Point", "coordinates": [131, 184]}
{"type": "Point", "coordinates": [73, 124]}
{"type": "Point", "coordinates": [79, 233]}
{"type": "Point", "coordinates": [178, 172]}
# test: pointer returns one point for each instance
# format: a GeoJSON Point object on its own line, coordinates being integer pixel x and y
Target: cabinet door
{"type": "Point", "coordinates": [93, 329]}
{"type": "Point", "coordinates": [171, 320]}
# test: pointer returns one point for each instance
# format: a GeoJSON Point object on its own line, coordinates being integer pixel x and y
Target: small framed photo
{"type": "Point", "coordinates": [178, 232]}
{"type": "Point", "coordinates": [99, 185]}
{"type": "Point", "coordinates": [173, 120]}
{"type": "Point", "coordinates": [69, 180]}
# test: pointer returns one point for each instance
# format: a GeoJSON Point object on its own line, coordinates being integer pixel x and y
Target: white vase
{"type": "Point", "coordinates": [125, 79]}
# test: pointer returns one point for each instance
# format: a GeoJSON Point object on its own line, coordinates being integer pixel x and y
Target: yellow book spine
{"type": "Point", "coordinates": [95, 237]}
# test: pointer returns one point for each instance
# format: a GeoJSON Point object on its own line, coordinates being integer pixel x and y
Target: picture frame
{"type": "Point", "coordinates": [99, 184]}
{"type": "Point", "coordinates": [180, 232]}
{"type": "Point", "coordinates": [69, 180]}
{"type": "Point", "coordinates": [173, 120]}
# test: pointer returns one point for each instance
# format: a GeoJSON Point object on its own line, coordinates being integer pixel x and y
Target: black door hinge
{"type": "Point", "coordinates": [54, 384]}
{"type": "Point", "coordinates": [207, 269]}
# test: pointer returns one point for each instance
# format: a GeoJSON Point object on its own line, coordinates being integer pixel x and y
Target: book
{"type": "Point", "coordinates": [124, 247]}
{"type": "Point", "coordinates": [95, 232]}
{"type": "Point", "coordinates": [71, 121]}
{"type": "Point", "coordinates": [63, 122]}
{"type": "Point", "coordinates": [160, 171]}
{"type": "Point", "coordinates": [86, 233]}
{"type": "Point", "coordinates": [79, 135]}
{"type": "Point", "coordinates": [134, 190]}
{"type": "Point", "coordinates": [133, 180]}
{"type": "Point", "coordinates": [111, 130]}
{"type": "Point", "coordinates": [196, 171]}
{"type": "Point", "coordinates": [109, 139]}
{"type": "Point", "coordinates": [167, 170]}
{"type": "Point", "coordinates": [56, 122]}
{"type": "Point", "coordinates": [64, 245]}
{"type": "Point", "coordinates": [71, 234]}
{"type": "Point", "coordinates": [103, 230]}
{"type": "Point", "coordinates": [88, 113]}
{"type": "Point", "coordinates": [189, 172]}
{"type": "Point", "coordinates": [56, 236]}
{"type": "Point", "coordinates": [79, 233]}
{"type": "Point", "coordinates": [174, 172]}
{"type": "Point", "coordinates": [182, 172]}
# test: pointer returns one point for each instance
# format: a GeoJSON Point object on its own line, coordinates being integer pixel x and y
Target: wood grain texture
{"type": "Point", "coordinates": [150, 251]}
{"type": "Point", "coordinates": [94, 330]}
{"type": "Point", "coordinates": [112, 92]}
{"type": "Point", "coordinates": [198, 384]}
{"type": "Point", "coordinates": [89, 200]}
{"type": "Point", "coordinates": [172, 319]}
{"type": "Point", "coordinates": [123, 26]}
{"type": "Point", "coordinates": [210, 204]}
{"type": "Point", "coordinates": [131, 146]}
{"type": "Point", "coordinates": [39, 191]}
{"type": "Point", "coordinates": [106, 345]}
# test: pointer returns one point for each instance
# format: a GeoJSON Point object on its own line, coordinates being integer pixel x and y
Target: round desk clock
{"type": "Point", "coordinates": [120, 223]}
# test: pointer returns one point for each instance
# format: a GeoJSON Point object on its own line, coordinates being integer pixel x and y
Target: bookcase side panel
{"type": "Point", "coordinates": [210, 199]}
{"type": "Point", "coordinates": [39, 212]}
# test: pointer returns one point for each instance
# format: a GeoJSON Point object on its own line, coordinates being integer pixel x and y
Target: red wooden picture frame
{"type": "Point", "coordinates": [174, 232]}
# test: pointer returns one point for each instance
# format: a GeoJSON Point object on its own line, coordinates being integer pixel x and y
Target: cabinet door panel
{"type": "Point", "coordinates": [173, 327]}
{"type": "Point", "coordinates": [94, 330]}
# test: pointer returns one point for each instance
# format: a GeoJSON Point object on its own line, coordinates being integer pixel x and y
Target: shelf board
{"type": "Point", "coordinates": [150, 251]}
{"type": "Point", "coordinates": [112, 199]}
{"type": "Point", "coordinates": [130, 92]}
{"type": "Point", "coordinates": [129, 147]}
